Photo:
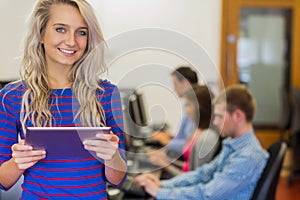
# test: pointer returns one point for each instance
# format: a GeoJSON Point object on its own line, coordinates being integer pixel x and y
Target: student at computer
{"type": "Point", "coordinates": [183, 77]}
{"type": "Point", "coordinates": [234, 173]}
{"type": "Point", "coordinates": [198, 106]}
{"type": "Point", "coordinates": [60, 86]}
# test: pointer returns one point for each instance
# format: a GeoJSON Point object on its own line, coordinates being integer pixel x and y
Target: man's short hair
{"type": "Point", "coordinates": [185, 72]}
{"type": "Point", "coordinates": [238, 97]}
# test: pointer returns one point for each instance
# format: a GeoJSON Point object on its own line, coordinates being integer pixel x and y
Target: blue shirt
{"type": "Point", "coordinates": [186, 128]}
{"type": "Point", "coordinates": [233, 174]}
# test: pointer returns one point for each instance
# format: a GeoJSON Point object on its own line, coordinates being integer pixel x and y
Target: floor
{"type": "Point", "coordinates": [284, 191]}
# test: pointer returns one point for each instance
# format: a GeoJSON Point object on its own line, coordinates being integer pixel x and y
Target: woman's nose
{"type": "Point", "coordinates": [70, 39]}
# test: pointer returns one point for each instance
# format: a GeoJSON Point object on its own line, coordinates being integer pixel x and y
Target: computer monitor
{"type": "Point", "coordinates": [130, 127]}
{"type": "Point", "coordinates": [143, 109]}
{"type": "Point", "coordinates": [138, 109]}
{"type": "Point", "coordinates": [135, 115]}
{"type": "Point", "coordinates": [134, 112]}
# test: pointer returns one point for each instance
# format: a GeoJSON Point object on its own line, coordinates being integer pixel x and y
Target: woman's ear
{"type": "Point", "coordinates": [42, 39]}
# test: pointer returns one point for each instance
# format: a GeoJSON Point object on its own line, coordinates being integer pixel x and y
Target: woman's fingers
{"type": "Point", "coordinates": [25, 166]}
{"type": "Point", "coordinates": [21, 146]}
{"type": "Point", "coordinates": [105, 145]}
{"type": "Point", "coordinates": [28, 161]}
{"type": "Point", "coordinates": [24, 155]}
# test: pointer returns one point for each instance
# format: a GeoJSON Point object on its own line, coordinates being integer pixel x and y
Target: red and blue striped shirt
{"type": "Point", "coordinates": [62, 178]}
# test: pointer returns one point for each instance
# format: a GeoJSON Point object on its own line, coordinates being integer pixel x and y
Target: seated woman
{"type": "Point", "coordinates": [199, 108]}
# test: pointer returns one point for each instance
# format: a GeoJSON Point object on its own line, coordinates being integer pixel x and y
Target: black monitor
{"type": "Point", "coordinates": [138, 110]}
{"type": "Point", "coordinates": [134, 108]}
{"type": "Point", "coordinates": [135, 115]}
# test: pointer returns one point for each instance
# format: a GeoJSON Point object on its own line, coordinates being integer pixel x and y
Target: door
{"type": "Point", "coordinates": [259, 49]}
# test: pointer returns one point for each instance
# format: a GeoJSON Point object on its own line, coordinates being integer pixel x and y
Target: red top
{"type": "Point", "coordinates": [187, 150]}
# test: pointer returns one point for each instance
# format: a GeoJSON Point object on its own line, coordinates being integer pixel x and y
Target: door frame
{"type": "Point", "coordinates": [230, 33]}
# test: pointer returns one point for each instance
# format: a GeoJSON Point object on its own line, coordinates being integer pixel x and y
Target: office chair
{"type": "Point", "coordinates": [286, 110]}
{"type": "Point", "coordinates": [202, 153]}
{"type": "Point", "coordinates": [266, 186]}
{"type": "Point", "coordinates": [295, 125]}
{"type": "Point", "coordinates": [295, 137]}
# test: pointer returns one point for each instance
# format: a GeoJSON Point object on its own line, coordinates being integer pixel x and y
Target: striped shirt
{"type": "Point", "coordinates": [233, 174]}
{"type": "Point", "coordinates": [60, 178]}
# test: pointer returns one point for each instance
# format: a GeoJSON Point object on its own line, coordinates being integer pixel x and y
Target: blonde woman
{"type": "Point", "coordinates": [60, 86]}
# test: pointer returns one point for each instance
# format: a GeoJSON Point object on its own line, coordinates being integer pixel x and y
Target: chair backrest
{"type": "Point", "coordinates": [294, 140]}
{"type": "Point", "coordinates": [205, 148]}
{"type": "Point", "coordinates": [267, 184]}
{"type": "Point", "coordinates": [295, 125]}
{"type": "Point", "coordinates": [286, 111]}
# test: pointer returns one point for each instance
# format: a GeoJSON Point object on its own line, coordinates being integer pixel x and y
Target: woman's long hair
{"type": "Point", "coordinates": [201, 98]}
{"type": "Point", "coordinates": [83, 76]}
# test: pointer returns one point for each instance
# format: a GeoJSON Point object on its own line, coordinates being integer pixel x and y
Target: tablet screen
{"type": "Point", "coordinates": [63, 142]}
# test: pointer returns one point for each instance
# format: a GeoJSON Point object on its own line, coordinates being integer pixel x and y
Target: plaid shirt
{"type": "Point", "coordinates": [233, 174]}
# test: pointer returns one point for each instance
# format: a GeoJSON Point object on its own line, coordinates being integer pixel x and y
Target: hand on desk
{"type": "Point", "coordinates": [158, 157]}
{"type": "Point", "coordinates": [161, 136]}
{"type": "Point", "coordinates": [150, 182]}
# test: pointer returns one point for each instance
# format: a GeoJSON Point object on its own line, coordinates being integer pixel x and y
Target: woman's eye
{"type": "Point", "coordinates": [82, 33]}
{"type": "Point", "coordinates": [60, 30]}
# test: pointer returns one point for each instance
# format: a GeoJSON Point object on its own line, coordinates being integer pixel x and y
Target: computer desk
{"type": "Point", "coordinates": [137, 163]}
{"type": "Point", "coordinates": [130, 190]}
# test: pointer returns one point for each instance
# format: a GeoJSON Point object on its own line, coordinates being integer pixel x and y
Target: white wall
{"type": "Point", "coordinates": [185, 27]}
{"type": "Point", "coordinates": [13, 16]}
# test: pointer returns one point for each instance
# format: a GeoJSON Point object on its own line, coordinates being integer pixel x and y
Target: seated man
{"type": "Point", "coordinates": [234, 173]}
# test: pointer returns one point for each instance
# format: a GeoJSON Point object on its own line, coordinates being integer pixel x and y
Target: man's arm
{"type": "Point", "coordinates": [201, 175]}
{"type": "Point", "coordinates": [238, 175]}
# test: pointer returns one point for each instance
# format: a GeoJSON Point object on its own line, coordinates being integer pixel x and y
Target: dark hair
{"type": "Point", "coordinates": [238, 97]}
{"type": "Point", "coordinates": [187, 73]}
{"type": "Point", "coordinates": [201, 97]}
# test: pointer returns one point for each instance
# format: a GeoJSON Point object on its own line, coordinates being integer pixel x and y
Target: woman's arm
{"type": "Point", "coordinates": [9, 174]}
{"type": "Point", "coordinates": [115, 169]}
{"type": "Point", "coordinates": [15, 156]}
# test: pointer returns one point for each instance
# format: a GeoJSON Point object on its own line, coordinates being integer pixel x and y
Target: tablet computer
{"type": "Point", "coordinates": [63, 142]}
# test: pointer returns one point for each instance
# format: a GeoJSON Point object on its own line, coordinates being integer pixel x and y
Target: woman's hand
{"type": "Point", "coordinates": [105, 146]}
{"type": "Point", "coordinates": [24, 155]}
